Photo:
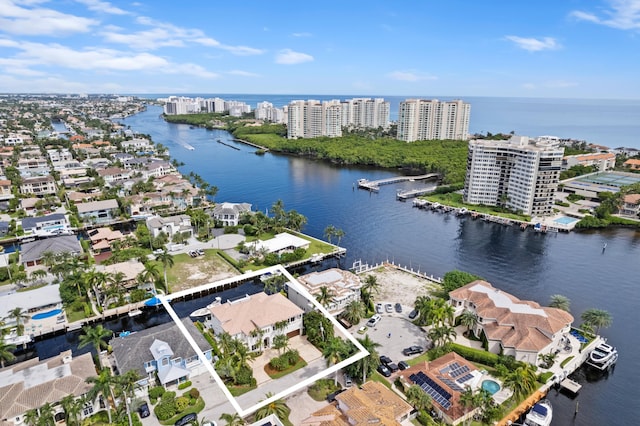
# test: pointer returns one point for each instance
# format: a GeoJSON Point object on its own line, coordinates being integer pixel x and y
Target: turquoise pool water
{"type": "Point", "coordinates": [565, 220]}
{"type": "Point", "coordinates": [491, 386]}
{"type": "Point", "coordinates": [49, 314]}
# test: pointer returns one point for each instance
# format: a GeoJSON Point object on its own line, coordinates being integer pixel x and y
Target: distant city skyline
{"type": "Point", "coordinates": [568, 49]}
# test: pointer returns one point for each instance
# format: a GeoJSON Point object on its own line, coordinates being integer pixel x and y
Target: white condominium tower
{"type": "Point", "coordinates": [365, 113]}
{"type": "Point", "coordinates": [520, 174]}
{"type": "Point", "coordinates": [312, 119]}
{"type": "Point", "coordinates": [427, 119]}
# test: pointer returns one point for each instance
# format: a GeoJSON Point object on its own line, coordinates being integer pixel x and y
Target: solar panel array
{"type": "Point", "coordinates": [465, 378]}
{"type": "Point", "coordinates": [458, 370]}
{"type": "Point", "coordinates": [434, 390]}
{"type": "Point", "coordinates": [453, 385]}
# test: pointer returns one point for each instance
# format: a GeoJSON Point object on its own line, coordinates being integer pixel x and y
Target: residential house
{"type": "Point", "coordinates": [255, 320]}
{"type": "Point", "coordinates": [344, 287]}
{"type": "Point", "coordinates": [170, 225]}
{"type": "Point", "coordinates": [114, 175]}
{"type": "Point", "coordinates": [45, 225]}
{"type": "Point", "coordinates": [632, 163]}
{"type": "Point", "coordinates": [130, 270]}
{"type": "Point", "coordinates": [42, 185]}
{"type": "Point", "coordinates": [31, 384]}
{"type": "Point", "coordinates": [161, 351]}
{"type": "Point", "coordinates": [281, 243]}
{"type": "Point", "coordinates": [602, 160]}
{"type": "Point", "coordinates": [98, 211]}
{"type": "Point", "coordinates": [13, 140]}
{"type": "Point", "coordinates": [137, 144]}
{"type": "Point", "coordinates": [36, 300]}
{"type": "Point", "coordinates": [59, 155]}
{"type": "Point", "coordinates": [372, 403]}
{"type": "Point", "coordinates": [32, 253]}
{"type": "Point", "coordinates": [4, 228]}
{"type": "Point", "coordinates": [229, 213]}
{"type": "Point", "coordinates": [102, 238]}
{"type": "Point", "coordinates": [631, 205]}
{"type": "Point", "coordinates": [523, 329]}
{"type": "Point", "coordinates": [5, 190]}
{"type": "Point", "coordinates": [445, 379]}
{"type": "Point", "coordinates": [157, 169]}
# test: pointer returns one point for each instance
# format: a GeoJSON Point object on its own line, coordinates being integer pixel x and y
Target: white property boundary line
{"type": "Point", "coordinates": [362, 352]}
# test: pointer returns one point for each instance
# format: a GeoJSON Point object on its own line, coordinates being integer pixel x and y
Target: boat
{"type": "Point", "coordinates": [316, 258]}
{"type": "Point", "coordinates": [540, 414]}
{"type": "Point", "coordinates": [203, 312]}
{"type": "Point", "coordinates": [135, 313]}
{"type": "Point", "coordinates": [435, 206]}
{"type": "Point", "coordinates": [462, 211]}
{"type": "Point", "coordinates": [603, 356]}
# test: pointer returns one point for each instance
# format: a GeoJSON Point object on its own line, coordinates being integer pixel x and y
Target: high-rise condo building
{"type": "Point", "coordinates": [427, 119]}
{"type": "Point", "coordinates": [312, 119]}
{"type": "Point", "coordinates": [365, 113]}
{"type": "Point", "coordinates": [520, 174]}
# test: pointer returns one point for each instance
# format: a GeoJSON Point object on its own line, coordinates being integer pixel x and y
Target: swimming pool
{"type": "Point", "coordinates": [566, 220]}
{"type": "Point", "coordinates": [49, 314]}
{"type": "Point", "coordinates": [490, 386]}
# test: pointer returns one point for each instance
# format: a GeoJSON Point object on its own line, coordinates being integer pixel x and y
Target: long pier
{"type": "Point", "coordinates": [374, 185]}
{"type": "Point", "coordinates": [411, 193]}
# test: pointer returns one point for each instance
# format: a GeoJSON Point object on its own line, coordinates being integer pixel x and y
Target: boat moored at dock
{"type": "Point", "coordinates": [603, 356]}
{"type": "Point", "coordinates": [540, 414]}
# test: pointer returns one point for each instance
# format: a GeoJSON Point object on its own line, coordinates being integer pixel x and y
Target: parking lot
{"type": "Point", "coordinates": [394, 332]}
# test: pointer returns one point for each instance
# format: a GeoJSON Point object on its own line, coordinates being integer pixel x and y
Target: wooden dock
{"type": "Point", "coordinates": [374, 185]}
{"type": "Point", "coordinates": [412, 193]}
{"type": "Point", "coordinates": [570, 385]}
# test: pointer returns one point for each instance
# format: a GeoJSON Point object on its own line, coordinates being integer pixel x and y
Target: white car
{"type": "Point", "coordinates": [374, 320]}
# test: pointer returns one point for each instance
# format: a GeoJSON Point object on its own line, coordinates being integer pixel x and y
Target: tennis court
{"type": "Point", "coordinates": [611, 178]}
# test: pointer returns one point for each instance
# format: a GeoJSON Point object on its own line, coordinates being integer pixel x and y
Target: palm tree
{"type": "Point", "coordinates": [368, 364]}
{"type": "Point", "coordinates": [423, 306]}
{"type": "Point", "coordinates": [167, 262]}
{"type": "Point", "coordinates": [45, 416]}
{"type": "Point", "coordinates": [325, 296]}
{"type": "Point", "coordinates": [6, 354]}
{"type": "Point", "coordinates": [20, 317]}
{"type": "Point", "coordinates": [371, 285]}
{"type": "Point", "coordinates": [468, 319]}
{"type": "Point", "coordinates": [469, 399]}
{"type": "Point", "coordinates": [597, 318]}
{"type": "Point", "coordinates": [150, 273]}
{"type": "Point", "coordinates": [280, 342]}
{"type": "Point", "coordinates": [522, 381]}
{"type": "Point", "coordinates": [95, 336]}
{"type": "Point", "coordinates": [295, 220]}
{"type": "Point", "coordinates": [559, 301]}
{"type": "Point", "coordinates": [339, 233]}
{"type": "Point", "coordinates": [31, 417]}
{"type": "Point", "coordinates": [441, 334]}
{"type": "Point", "coordinates": [354, 311]}
{"type": "Point", "coordinates": [232, 419]}
{"type": "Point", "coordinates": [329, 232]}
{"type": "Point", "coordinates": [277, 407]}
{"type": "Point", "coordinates": [102, 384]}
{"type": "Point", "coordinates": [126, 383]}
{"type": "Point", "coordinates": [417, 397]}
{"type": "Point", "coordinates": [334, 352]}
{"type": "Point", "coordinates": [72, 408]}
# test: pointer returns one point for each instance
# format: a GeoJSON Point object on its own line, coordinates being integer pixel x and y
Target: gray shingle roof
{"type": "Point", "coordinates": [32, 222]}
{"type": "Point", "coordinates": [31, 252]}
{"type": "Point", "coordinates": [133, 351]}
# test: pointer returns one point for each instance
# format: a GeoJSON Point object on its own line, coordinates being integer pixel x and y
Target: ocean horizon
{"type": "Point", "coordinates": [609, 122]}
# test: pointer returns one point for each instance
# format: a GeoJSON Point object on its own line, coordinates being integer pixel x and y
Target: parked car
{"type": "Point", "coordinates": [413, 314]}
{"type": "Point", "coordinates": [379, 308]}
{"type": "Point", "coordinates": [193, 253]}
{"type": "Point", "coordinates": [200, 252]}
{"type": "Point", "coordinates": [385, 360]}
{"type": "Point", "coordinates": [393, 367]}
{"type": "Point", "coordinates": [384, 370]}
{"type": "Point", "coordinates": [403, 365]}
{"type": "Point", "coordinates": [143, 410]}
{"type": "Point", "coordinates": [362, 329]}
{"type": "Point", "coordinates": [332, 396]}
{"type": "Point", "coordinates": [388, 308]}
{"type": "Point", "coordinates": [186, 419]}
{"type": "Point", "coordinates": [347, 381]}
{"type": "Point", "coordinates": [398, 308]}
{"type": "Point", "coordinates": [412, 350]}
{"type": "Point", "coordinates": [375, 319]}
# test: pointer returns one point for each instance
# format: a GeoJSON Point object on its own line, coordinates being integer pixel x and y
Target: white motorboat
{"type": "Point", "coordinates": [603, 356]}
{"type": "Point", "coordinates": [135, 313]}
{"type": "Point", "coordinates": [540, 414]}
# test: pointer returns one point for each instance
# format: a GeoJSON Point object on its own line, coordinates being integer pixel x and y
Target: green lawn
{"type": "Point", "coordinates": [277, 374]}
{"type": "Point", "coordinates": [239, 390]}
{"type": "Point", "coordinates": [454, 199]}
{"type": "Point", "coordinates": [322, 388]}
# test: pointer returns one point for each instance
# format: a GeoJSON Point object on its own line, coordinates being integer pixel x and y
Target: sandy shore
{"type": "Point", "coordinates": [399, 286]}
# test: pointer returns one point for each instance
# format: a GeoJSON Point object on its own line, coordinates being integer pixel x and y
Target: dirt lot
{"type": "Point", "coordinates": [399, 286]}
{"type": "Point", "coordinates": [189, 272]}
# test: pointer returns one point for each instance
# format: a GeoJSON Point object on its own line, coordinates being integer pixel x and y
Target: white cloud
{"type": "Point", "coordinates": [302, 34]}
{"type": "Point", "coordinates": [410, 76]}
{"type": "Point", "coordinates": [242, 50]}
{"type": "Point", "coordinates": [244, 73]}
{"type": "Point", "coordinates": [15, 19]}
{"type": "Point", "coordinates": [534, 44]}
{"type": "Point", "coordinates": [146, 40]}
{"type": "Point", "coordinates": [290, 57]}
{"type": "Point", "coordinates": [622, 14]}
{"type": "Point", "coordinates": [103, 7]}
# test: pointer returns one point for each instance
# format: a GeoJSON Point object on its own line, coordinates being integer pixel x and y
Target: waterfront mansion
{"type": "Point", "coordinates": [520, 328]}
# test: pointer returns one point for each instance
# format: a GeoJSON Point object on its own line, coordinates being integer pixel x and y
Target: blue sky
{"type": "Point", "coordinates": [544, 48]}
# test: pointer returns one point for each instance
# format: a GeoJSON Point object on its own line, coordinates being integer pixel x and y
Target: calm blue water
{"type": "Point", "coordinates": [526, 264]}
{"type": "Point", "coordinates": [608, 122]}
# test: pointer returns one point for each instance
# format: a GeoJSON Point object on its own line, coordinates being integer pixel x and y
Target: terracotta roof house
{"type": "Point", "coordinates": [101, 238]}
{"type": "Point", "coordinates": [444, 379]}
{"type": "Point", "coordinates": [31, 384]}
{"type": "Point", "coordinates": [512, 326]}
{"type": "Point", "coordinates": [633, 164]}
{"type": "Point", "coordinates": [602, 160]}
{"type": "Point", "coordinates": [161, 351]}
{"type": "Point", "coordinates": [631, 205]}
{"type": "Point", "coordinates": [344, 285]}
{"type": "Point", "coordinates": [372, 403]}
{"type": "Point", "coordinates": [257, 319]}
{"type": "Point", "coordinates": [32, 253]}
{"type": "Point", "coordinates": [229, 213]}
